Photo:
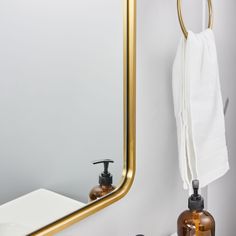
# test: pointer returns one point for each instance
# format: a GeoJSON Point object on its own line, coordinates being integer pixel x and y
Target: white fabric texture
{"type": "Point", "coordinates": [198, 109]}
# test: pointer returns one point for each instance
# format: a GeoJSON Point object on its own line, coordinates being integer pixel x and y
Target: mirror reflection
{"type": "Point", "coordinates": [61, 103]}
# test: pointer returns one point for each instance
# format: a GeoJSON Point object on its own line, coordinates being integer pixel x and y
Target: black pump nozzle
{"type": "Point", "coordinates": [196, 201]}
{"type": "Point", "coordinates": [105, 178]}
{"type": "Point", "coordinates": [106, 164]}
{"type": "Point", "coordinates": [195, 184]}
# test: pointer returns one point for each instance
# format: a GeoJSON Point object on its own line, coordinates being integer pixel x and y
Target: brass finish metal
{"type": "Point", "coordinates": [181, 21]}
{"type": "Point", "coordinates": [129, 131]}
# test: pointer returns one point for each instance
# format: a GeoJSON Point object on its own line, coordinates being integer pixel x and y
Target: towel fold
{"type": "Point", "coordinates": [198, 109]}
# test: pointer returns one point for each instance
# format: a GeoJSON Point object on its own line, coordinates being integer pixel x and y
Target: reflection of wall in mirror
{"type": "Point", "coordinates": [61, 95]}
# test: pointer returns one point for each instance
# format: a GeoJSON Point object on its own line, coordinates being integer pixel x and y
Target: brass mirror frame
{"type": "Point", "coordinates": [129, 32]}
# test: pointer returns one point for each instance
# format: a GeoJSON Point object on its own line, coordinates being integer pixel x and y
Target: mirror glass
{"type": "Point", "coordinates": [61, 95]}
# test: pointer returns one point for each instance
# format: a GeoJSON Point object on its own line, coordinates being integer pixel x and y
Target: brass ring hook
{"type": "Point", "coordinates": [181, 21]}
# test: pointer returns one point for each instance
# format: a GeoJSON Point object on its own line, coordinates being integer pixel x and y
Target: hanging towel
{"type": "Point", "coordinates": [198, 109]}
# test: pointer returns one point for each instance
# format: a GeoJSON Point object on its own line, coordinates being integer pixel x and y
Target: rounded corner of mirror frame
{"type": "Point", "coordinates": [129, 33]}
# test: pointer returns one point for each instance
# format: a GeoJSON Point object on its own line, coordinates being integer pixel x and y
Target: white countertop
{"type": "Point", "coordinates": [33, 211]}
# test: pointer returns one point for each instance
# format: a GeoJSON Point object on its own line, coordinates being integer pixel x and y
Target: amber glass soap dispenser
{"type": "Point", "coordinates": [105, 182]}
{"type": "Point", "coordinates": [196, 221]}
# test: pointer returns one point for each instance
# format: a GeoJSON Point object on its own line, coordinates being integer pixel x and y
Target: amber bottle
{"type": "Point", "coordinates": [196, 221]}
{"type": "Point", "coordinates": [105, 182]}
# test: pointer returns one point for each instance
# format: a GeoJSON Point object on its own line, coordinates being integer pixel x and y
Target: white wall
{"type": "Point", "coordinates": [221, 194]}
{"type": "Point", "coordinates": [156, 198]}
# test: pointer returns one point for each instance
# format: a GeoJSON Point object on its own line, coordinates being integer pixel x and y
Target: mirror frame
{"type": "Point", "coordinates": [129, 91]}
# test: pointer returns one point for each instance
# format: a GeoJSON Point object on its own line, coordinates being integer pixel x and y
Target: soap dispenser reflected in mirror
{"type": "Point", "coordinates": [105, 182]}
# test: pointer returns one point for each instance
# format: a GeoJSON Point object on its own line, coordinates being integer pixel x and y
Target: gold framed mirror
{"type": "Point", "coordinates": [129, 78]}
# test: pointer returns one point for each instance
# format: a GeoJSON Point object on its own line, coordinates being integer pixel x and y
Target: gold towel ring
{"type": "Point", "coordinates": [181, 21]}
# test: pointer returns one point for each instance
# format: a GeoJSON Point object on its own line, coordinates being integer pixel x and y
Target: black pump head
{"type": "Point", "coordinates": [105, 178]}
{"type": "Point", "coordinates": [196, 201]}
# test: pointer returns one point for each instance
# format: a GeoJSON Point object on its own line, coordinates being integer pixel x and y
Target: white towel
{"type": "Point", "coordinates": [198, 108]}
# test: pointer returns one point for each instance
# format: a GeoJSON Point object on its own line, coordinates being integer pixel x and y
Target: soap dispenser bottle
{"type": "Point", "coordinates": [105, 182]}
{"type": "Point", "coordinates": [196, 221]}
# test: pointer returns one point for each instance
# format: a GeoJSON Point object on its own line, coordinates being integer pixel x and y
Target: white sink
{"type": "Point", "coordinates": [10, 229]}
{"type": "Point", "coordinates": [32, 211]}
